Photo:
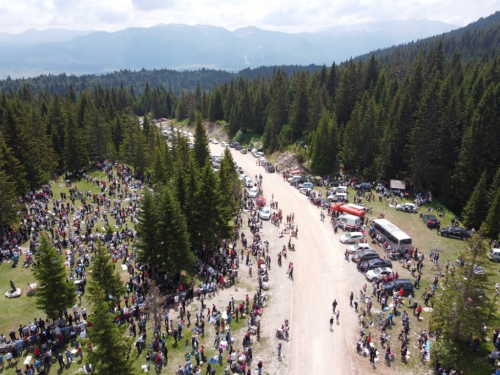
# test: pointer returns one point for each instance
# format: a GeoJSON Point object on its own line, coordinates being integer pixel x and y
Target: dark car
{"type": "Point", "coordinates": [231, 145]}
{"type": "Point", "coordinates": [431, 221]}
{"type": "Point", "coordinates": [250, 149]}
{"type": "Point", "coordinates": [375, 263]}
{"type": "Point", "coordinates": [270, 169]}
{"type": "Point", "coordinates": [456, 232]}
{"type": "Point", "coordinates": [406, 284]}
{"type": "Point", "coordinates": [237, 147]}
{"type": "Point", "coordinates": [365, 256]}
{"type": "Point", "coordinates": [363, 186]}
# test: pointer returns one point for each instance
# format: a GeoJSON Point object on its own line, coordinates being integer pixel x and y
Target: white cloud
{"type": "Point", "coordinates": [284, 15]}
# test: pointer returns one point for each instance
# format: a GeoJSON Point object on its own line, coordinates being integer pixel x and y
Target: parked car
{"type": "Point", "coordinates": [243, 150]}
{"type": "Point", "coordinates": [248, 182]}
{"type": "Point", "coordinates": [214, 141]}
{"type": "Point", "coordinates": [260, 201]}
{"type": "Point", "coordinates": [293, 179]}
{"type": "Point", "coordinates": [406, 284]}
{"type": "Point", "coordinates": [224, 144]}
{"type": "Point", "coordinates": [431, 221]}
{"type": "Point", "coordinates": [305, 190]}
{"type": "Point", "coordinates": [494, 255]}
{"type": "Point", "coordinates": [456, 232]}
{"type": "Point", "coordinates": [238, 148]}
{"type": "Point", "coordinates": [377, 274]}
{"type": "Point", "coordinates": [359, 247]}
{"type": "Point", "coordinates": [352, 237]}
{"type": "Point", "coordinates": [306, 185]}
{"type": "Point", "coordinates": [376, 263]}
{"type": "Point", "coordinates": [342, 197]}
{"type": "Point", "coordinates": [363, 186]}
{"type": "Point", "coordinates": [270, 169]}
{"type": "Point", "coordinates": [265, 214]}
{"type": "Point", "coordinates": [365, 256]}
{"type": "Point", "coordinates": [407, 207]}
{"type": "Point", "coordinates": [242, 176]}
{"type": "Point", "coordinates": [253, 192]}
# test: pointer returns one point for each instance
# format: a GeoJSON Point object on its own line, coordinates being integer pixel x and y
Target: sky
{"type": "Point", "coordinates": [17, 16]}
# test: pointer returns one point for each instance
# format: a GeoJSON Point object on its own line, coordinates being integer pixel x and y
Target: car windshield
{"type": "Point", "coordinates": [376, 271]}
{"type": "Point", "coordinates": [348, 235]}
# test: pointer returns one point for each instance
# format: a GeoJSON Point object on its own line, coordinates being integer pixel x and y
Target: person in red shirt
{"type": "Point", "coordinates": [419, 311]}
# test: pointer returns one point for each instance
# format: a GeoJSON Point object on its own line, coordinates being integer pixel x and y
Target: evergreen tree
{"type": "Point", "coordinates": [148, 231]}
{"type": "Point", "coordinates": [174, 247]}
{"type": "Point", "coordinates": [277, 112]}
{"type": "Point", "coordinates": [476, 209]}
{"type": "Point", "coordinates": [107, 346]}
{"type": "Point", "coordinates": [201, 152]}
{"type": "Point", "coordinates": [104, 275]}
{"type": "Point", "coordinates": [8, 188]}
{"type": "Point", "coordinates": [321, 155]}
{"type": "Point", "coordinates": [75, 150]}
{"type": "Point", "coordinates": [53, 294]}
{"type": "Point", "coordinates": [299, 117]}
{"type": "Point", "coordinates": [492, 222]}
{"type": "Point", "coordinates": [464, 304]}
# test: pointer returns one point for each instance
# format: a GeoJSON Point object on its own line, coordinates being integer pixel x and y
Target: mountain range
{"type": "Point", "coordinates": [185, 47]}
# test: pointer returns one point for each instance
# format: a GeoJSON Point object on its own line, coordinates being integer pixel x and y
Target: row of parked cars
{"type": "Point", "coordinates": [377, 269]}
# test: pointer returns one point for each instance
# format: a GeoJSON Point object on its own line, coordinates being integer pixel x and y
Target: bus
{"type": "Point", "coordinates": [392, 234]}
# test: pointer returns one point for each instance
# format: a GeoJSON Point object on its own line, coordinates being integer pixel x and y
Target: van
{"type": "Point", "coordinates": [349, 222]}
{"type": "Point", "coordinates": [494, 255]}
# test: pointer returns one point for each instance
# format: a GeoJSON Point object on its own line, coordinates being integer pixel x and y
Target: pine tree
{"type": "Point", "coordinates": [464, 304]}
{"type": "Point", "coordinates": [148, 231]}
{"type": "Point", "coordinates": [104, 275]}
{"type": "Point", "coordinates": [277, 112]}
{"type": "Point", "coordinates": [492, 222]}
{"type": "Point", "coordinates": [321, 156]}
{"type": "Point", "coordinates": [299, 116]}
{"type": "Point", "coordinates": [9, 191]}
{"type": "Point", "coordinates": [476, 209]}
{"type": "Point", "coordinates": [107, 346]}
{"type": "Point", "coordinates": [174, 247]}
{"type": "Point", "coordinates": [201, 152]}
{"type": "Point", "coordinates": [75, 150]}
{"type": "Point", "coordinates": [53, 294]}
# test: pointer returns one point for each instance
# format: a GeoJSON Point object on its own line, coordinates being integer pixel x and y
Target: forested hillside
{"type": "Point", "coordinates": [424, 114]}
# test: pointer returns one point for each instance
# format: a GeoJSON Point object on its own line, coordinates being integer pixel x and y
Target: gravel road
{"type": "Point", "coordinates": [320, 275]}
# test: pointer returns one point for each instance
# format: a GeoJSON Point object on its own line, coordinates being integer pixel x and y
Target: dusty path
{"type": "Point", "coordinates": [320, 275]}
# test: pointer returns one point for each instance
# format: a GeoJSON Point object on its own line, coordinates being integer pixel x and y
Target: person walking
{"type": "Point", "coordinates": [351, 297]}
{"type": "Point", "coordinates": [338, 315]}
{"type": "Point", "coordinates": [279, 350]}
{"type": "Point", "coordinates": [331, 322]}
{"type": "Point", "coordinates": [334, 305]}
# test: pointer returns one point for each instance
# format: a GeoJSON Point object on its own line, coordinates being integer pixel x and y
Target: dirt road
{"type": "Point", "coordinates": [320, 275]}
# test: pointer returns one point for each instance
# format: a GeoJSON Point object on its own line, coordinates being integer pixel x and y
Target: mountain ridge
{"type": "Point", "coordinates": [180, 46]}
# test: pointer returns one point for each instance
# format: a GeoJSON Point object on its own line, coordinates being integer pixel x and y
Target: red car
{"type": "Point", "coordinates": [261, 201]}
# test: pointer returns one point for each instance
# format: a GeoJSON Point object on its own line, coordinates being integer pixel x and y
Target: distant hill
{"type": "Point", "coordinates": [184, 47]}
{"type": "Point", "coordinates": [474, 41]}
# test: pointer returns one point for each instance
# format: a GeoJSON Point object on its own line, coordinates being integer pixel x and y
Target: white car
{"type": "Point", "coordinates": [357, 247]}
{"type": "Point", "coordinates": [335, 197]}
{"type": "Point", "coordinates": [378, 273]}
{"type": "Point", "coordinates": [352, 237]}
{"type": "Point", "coordinates": [224, 144]}
{"type": "Point", "coordinates": [215, 141]}
{"type": "Point", "coordinates": [305, 190]}
{"type": "Point", "coordinates": [242, 176]}
{"type": "Point", "coordinates": [265, 214]}
{"type": "Point", "coordinates": [293, 178]}
{"type": "Point", "coordinates": [248, 182]}
{"type": "Point", "coordinates": [253, 192]}
{"type": "Point", "coordinates": [407, 207]}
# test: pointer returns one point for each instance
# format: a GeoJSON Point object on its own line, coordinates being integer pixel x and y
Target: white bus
{"type": "Point", "coordinates": [392, 234]}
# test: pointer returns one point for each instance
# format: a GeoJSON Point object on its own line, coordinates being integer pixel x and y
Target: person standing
{"type": "Point", "coordinates": [351, 297]}
{"type": "Point", "coordinates": [279, 350]}
{"type": "Point", "coordinates": [334, 305]}
{"type": "Point", "coordinates": [331, 322]}
{"type": "Point", "coordinates": [338, 316]}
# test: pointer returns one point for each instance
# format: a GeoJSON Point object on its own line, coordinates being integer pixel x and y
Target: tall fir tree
{"type": "Point", "coordinates": [108, 345]}
{"type": "Point", "coordinates": [476, 209]}
{"type": "Point", "coordinates": [53, 294]}
{"type": "Point", "coordinates": [104, 275]}
{"type": "Point", "coordinates": [201, 152]}
{"type": "Point", "coordinates": [75, 150]}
